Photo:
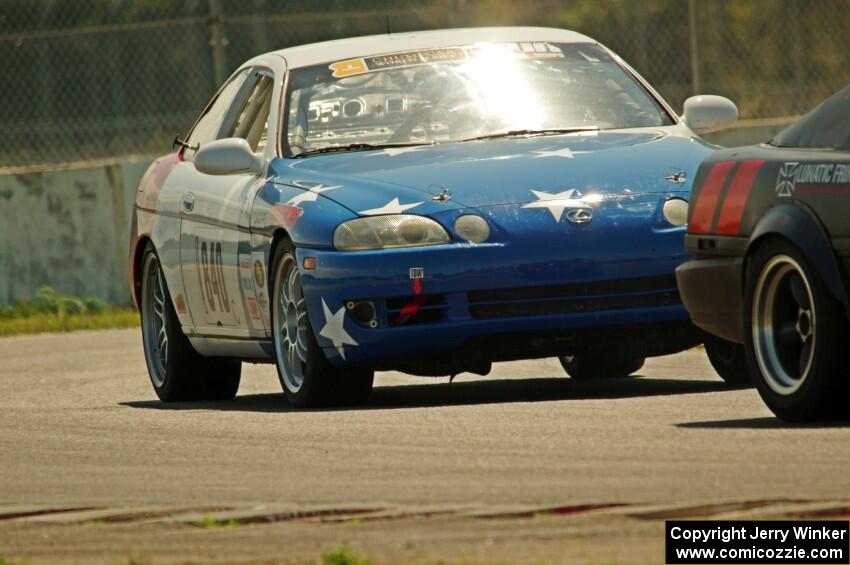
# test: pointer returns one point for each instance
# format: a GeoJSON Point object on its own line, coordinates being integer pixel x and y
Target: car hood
{"type": "Point", "coordinates": [498, 172]}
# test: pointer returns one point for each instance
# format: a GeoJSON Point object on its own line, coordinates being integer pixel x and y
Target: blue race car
{"type": "Point", "coordinates": [429, 202]}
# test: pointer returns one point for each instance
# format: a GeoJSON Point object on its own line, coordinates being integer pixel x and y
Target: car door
{"type": "Point", "coordinates": [174, 187]}
{"type": "Point", "coordinates": [214, 237]}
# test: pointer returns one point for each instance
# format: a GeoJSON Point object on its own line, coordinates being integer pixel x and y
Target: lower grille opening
{"type": "Point", "coordinates": [544, 307]}
{"type": "Point", "coordinates": [574, 297]}
{"type": "Point", "coordinates": [415, 310]}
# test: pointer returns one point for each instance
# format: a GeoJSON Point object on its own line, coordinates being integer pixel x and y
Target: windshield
{"type": "Point", "coordinates": [460, 93]}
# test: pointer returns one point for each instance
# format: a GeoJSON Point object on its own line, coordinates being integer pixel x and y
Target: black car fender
{"type": "Point", "coordinates": [798, 224]}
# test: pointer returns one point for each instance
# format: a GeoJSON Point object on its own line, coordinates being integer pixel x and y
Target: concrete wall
{"type": "Point", "coordinates": [68, 229]}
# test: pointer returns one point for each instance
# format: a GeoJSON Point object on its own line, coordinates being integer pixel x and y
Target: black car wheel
{"type": "Point", "coordinates": [729, 361]}
{"type": "Point", "coordinates": [177, 371]}
{"type": "Point", "coordinates": [307, 378]}
{"type": "Point", "coordinates": [796, 335]}
{"type": "Point", "coordinates": [597, 366]}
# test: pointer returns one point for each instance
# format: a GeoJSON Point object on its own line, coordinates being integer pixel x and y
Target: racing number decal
{"type": "Point", "coordinates": [211, 269]}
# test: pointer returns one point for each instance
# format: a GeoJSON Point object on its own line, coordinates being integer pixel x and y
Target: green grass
{"type": "Point", "coordinates": [211, 522]}
{"type": "Point", "coordinates": [40, 323]}
{"type": "Point", "coordinates": [135, 561]}
{"type": "Point", "coordinates": [49, 311]}
{"type": "Point", "coordinates": [344, 556]}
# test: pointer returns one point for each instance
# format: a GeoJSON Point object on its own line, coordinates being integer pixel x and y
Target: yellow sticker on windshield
{"type": "Point", "coordinates": [509, 51]}
{"type": "Point", "coordinates": [349, 68]}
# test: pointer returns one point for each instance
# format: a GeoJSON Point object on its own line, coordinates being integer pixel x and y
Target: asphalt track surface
{"type": "Point", "coordinates": [523, 465]}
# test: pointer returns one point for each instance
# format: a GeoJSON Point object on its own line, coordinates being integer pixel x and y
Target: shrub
{"type": "Point", "coordinates": [344, 556]}
{"type": "Point", "coordinates": [46, 301]}
{"type": "Point", "coordinates": [95, 305]}
{"type": "Point", "coordinates": [70, 305]}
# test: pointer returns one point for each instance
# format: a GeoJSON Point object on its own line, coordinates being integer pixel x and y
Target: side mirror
{"type": "Point", "coordinates": [707, 112]}
{"type": "Point", "coordinates": [229, 156]}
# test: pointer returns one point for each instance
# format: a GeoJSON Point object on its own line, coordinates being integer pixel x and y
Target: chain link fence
{"type": "Point", "coordinates": [93, 79]}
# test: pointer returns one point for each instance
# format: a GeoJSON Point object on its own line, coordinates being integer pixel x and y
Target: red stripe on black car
{"type": "Point", "coordinates": [732, 209]}
{"type": "Point", "coordinates": [706, 201]}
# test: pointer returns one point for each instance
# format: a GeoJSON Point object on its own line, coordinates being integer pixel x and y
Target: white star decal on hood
{"type": "Point", "coordinates": [564, 152]}
{"type": "Point", "coordinates": [391, 207]}
{"type": "Point", "coordinates": [556, 203]}
{"type": "Point", "coordinates": [334, 329]}
{"type": "Point", "coordinates": [311, 194]}
{"type": "Point", "coordinates": [393, 151]}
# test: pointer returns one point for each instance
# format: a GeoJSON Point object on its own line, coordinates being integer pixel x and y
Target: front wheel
{"type": "Point", "coordinates": [177, 371]}
{"type": "Point", "coordinates": [589, 366]}
{"type": "Point", "coordinates": [729, 361]}
{"type": "Point", "coordinates": [307, 378]}
{"type": "Point", "coordinates": [796, 335]}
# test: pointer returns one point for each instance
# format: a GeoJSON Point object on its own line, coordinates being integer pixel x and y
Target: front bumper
{"type": "Point", "coordinates": [712, 292]}
{"type": "Point", "coordinates": [503, 301]}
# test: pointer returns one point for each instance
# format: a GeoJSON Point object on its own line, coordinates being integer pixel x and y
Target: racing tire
{"type": "Point", "coordinates": [177, 372]}
{"type": "Point", "coordinates": [729, 361]}
{"type": "Point", "coordinates": [589, 366]}
{"type": "Point", "coordinates": [796, 335]}
{"type": "Point", "coordinates": [307, 377]}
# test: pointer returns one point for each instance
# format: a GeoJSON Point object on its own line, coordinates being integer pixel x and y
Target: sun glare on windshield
{"type": "Point", "coordinates": [455, 93]}
{"type": "Point", "coordinates": [502, 86]}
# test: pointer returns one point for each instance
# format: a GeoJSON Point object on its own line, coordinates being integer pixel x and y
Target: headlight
{"type": "Point", "coordinates": [676, 211]}
{"type": "Point", "coordinates": [382, 232]}
{"type": "Point", "coordinates": [472, 228]}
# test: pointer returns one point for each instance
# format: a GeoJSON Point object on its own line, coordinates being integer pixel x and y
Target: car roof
{"type": "Point", "coordinates": [353, 47]}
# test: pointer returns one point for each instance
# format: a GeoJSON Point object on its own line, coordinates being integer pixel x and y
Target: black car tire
{"type": "Point", "coordinates": [307, 377]}
{"type": "Point", "coordinates": [729, 361]}
{"type": "Point", "coordinates": [177, 372]}
{"type": "Point", "coordinates": [796, 335]}
{"type": "Point", "coordinates": [597, 366]}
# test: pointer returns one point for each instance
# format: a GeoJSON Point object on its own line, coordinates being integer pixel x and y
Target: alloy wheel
{"type": "Point", "coordinates": [783, 324]}
{"type": "Point", "coordinates": [291, 327]}
{"type": "Point", "coordinates": [155, 320]}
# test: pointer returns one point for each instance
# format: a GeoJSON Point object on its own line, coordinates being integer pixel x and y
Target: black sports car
{"type": "Point", "coordinates": [770, 228]}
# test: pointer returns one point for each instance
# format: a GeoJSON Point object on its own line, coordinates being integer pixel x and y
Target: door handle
{"type": "Point", "coordinates": [189, 202]}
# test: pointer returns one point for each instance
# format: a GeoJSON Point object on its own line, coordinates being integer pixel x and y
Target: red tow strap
{"type": "Point", "coordinates": [411, 308]}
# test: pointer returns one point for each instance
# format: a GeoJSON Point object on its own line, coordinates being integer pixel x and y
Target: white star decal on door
{"type": "Point", "coordinates": [311, 194]}
{"type": "Point", "coordinates": [556, 203]}
{"type": "Point", "coordinates": [564, 152]}
{"type": "Point", "coordinates": [334, 329]}
{"type": "Point", "coordinates": [391, 207]}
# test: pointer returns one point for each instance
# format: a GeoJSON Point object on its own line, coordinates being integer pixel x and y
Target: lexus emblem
{"type": "Point", "coordinates": [580, 215]}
